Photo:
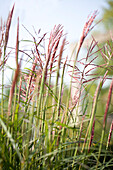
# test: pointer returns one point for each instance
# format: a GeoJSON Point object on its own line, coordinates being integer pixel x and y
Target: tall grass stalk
{"type": "Point", "coordinates": [105, 119]}
{"type": "Point", "coordinates": [38, 118]}
{"type": "Point", "coordinates": [8, 24]}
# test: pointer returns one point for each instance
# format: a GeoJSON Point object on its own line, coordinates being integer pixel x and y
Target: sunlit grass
{"type": "Point", "coordinates": [44, 126]}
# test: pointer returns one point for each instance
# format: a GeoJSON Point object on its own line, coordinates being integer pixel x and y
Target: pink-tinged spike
{"type": "Point", "coordinates": [108, 103]}
{"type": "Point", "coordinates": [110, 133]}
{"type": "Point", "coordinates": [87, 28]}
{"type": "Point", "coordinates": [8, 24]}
{"type": "Point", "coordinates": [17, 43]}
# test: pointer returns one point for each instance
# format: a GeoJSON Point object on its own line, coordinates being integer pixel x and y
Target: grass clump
{"type": "Point", "coordinates": [40, 122]}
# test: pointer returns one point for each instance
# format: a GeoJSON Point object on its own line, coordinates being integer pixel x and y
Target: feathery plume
{"type": "Point", "coordinates": [8, 24]}
{"type": "Point", "coordinates": [87, 28]}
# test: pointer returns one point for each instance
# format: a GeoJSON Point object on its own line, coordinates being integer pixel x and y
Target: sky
{"type": "Point", "coordinates": [44, 14]}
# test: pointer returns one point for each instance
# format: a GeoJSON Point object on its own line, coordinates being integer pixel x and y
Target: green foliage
{"type": "Point", "coordinates": [108, 14]}
{"type": "Point", "coordinates": [40, 122]}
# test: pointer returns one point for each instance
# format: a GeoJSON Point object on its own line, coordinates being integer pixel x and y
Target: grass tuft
{"type": "Point", "coordinates": [46, 124]}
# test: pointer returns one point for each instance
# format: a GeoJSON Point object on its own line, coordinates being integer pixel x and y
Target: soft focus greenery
{"type": "Point", "coordinates": [108, 15]}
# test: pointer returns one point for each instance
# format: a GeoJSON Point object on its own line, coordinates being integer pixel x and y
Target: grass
{"type": "Point", "coordinates": [38, 117]}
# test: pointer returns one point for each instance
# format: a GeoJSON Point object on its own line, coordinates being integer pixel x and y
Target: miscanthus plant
{"type": "Point", "coordinates": [39, 126]}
